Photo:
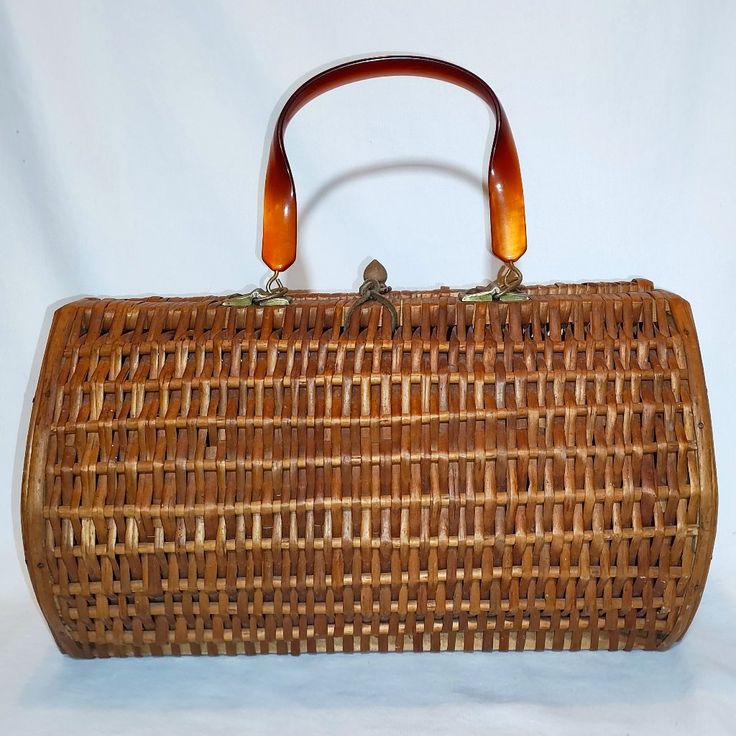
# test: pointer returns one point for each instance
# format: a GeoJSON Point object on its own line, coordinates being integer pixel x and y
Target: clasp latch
{"type": "Point", "coordinates": [373, 288]}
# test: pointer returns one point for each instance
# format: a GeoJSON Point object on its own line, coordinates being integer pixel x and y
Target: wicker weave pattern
{"type": "Point", "coordinates": [205, 479]}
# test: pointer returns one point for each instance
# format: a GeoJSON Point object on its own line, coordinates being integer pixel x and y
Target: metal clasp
{"type": "Point", "coordinates": [274, 295]}
{"type": "Point", "coordinates": [505, 288]}
{"type": "Point", "coordinates": [373, 288]}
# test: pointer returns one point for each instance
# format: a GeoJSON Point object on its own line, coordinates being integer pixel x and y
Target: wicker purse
{"type": "Point", "coordinates": [504, 468]}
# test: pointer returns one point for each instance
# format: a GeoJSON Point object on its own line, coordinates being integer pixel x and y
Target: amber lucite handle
{"type": "Point", "coordinates": [508, 227]}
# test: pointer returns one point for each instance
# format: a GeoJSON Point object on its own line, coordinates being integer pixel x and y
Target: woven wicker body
{"type": "Point", "coordinates": [527, 475]}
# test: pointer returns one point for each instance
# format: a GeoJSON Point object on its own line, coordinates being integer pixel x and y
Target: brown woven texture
{"type": "Point", "coordinates": [216, 480]}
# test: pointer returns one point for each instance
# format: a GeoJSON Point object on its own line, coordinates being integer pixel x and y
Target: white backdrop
{"type": "Point", "coordinates": [132, 139]}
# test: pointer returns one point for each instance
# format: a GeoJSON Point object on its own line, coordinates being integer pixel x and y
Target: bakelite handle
{"type": "Point", "coordinates": [508, 226]}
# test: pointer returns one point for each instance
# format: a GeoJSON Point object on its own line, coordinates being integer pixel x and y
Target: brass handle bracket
{"type": "Point", "coordinates": [505, 288]}
{"type": "Point", "coordinates": [274, 295]}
